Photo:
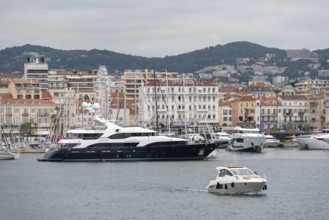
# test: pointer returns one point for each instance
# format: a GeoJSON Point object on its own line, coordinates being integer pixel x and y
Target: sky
{"type": "Point", "coordinates": [159, 28]}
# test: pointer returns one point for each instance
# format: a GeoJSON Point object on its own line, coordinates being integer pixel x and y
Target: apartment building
{"type": "Point", "coordinates": [134, 79]}
{"type": "Point", "coordinates": [184, 103]}
{"type": "Point", "coordinates": [17, 111]}
{"type": "Point", "coordinates": [268, 111]}
{"type": "Point", "coordinates": [295, 111]}
{"type": "Point", "coordinates": [225, 113]}
{"type": "Point", "coordinates": [37, 69]}
{"type": "Point", "coordinates": [306, 85]}
{"type": "Point", "coordinates": [317, 113]}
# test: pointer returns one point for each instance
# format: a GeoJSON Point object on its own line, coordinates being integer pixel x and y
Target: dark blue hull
{"type": "Point", "coordinates": [158, 153]}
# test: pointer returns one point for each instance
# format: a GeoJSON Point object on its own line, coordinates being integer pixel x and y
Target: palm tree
{"type": "Point", "coordinates": [323, 119]}
{"type": "Point", "coordinates": [277, 91]}
{"type": "Point", "coordinates": [301, 116]}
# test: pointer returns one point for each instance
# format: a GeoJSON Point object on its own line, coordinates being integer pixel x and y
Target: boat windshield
{"type": "Point", "coordinates": [242, 171]}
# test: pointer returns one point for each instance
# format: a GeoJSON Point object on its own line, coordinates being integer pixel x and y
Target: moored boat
{"type": "Point", "coordinates": [313, 141]}
{"type": "Point", "coordinates": [222, 138]}
{"type": "Point", "coordinates": [236, 179]}
{"type": "Point", "coordinates": [271, 141]}
{"type": "Point", "coordinates": [246, 140]}
{"type": "Point", "coordinates": [111, 142]}
{"type": "Point", "coordinates": [8, 155]}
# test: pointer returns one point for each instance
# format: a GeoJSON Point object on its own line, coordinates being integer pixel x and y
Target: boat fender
{"type": "Point", "coordinates": [225, 186]}
{"type": "Point", "coordinates": [232, 184]}
{"type": "Point", "coordinates": [265, 187]}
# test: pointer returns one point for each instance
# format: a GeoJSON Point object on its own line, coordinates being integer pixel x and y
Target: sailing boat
{"type": "Point", "coordinates": [5, 152]}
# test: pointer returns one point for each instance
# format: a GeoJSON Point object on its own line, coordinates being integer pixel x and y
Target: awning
{"type": "Point", "coordinates": [42, 133]}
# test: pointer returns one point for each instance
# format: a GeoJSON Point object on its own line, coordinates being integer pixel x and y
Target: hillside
{"type": "Point", "coordinates": [12, 59]}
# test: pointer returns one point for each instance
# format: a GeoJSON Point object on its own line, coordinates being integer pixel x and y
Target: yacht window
{"type": "Point", "coordinates": [239, 140]}
{"type": "Point", "coordinates": [242, 171]}
{"type": "Point", "coordinates": [224, 173]}
{"type": "Point", "coordinates": [221, 173]}
{"type": "Point", "coordinates": [120, 136]}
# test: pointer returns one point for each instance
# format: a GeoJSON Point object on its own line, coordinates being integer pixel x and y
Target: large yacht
{"type": "Point", "coordinates": [313, 141]}
{"type": "Point", "coordinates": [246, 140]}
{"type": "Point", "coordinates": [110, 142]}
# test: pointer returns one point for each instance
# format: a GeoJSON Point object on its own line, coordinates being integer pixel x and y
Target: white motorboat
{"type": "Point", "coordinates": [271, 141]}
{"type": "Point", "coordinates": [246, 140]}
{"type": "Point", "coordinates": [314, 141]}
{"type": "Point", "coordinates": [235, 179]}
{"type": "Point", "coordinates": [7, 155]}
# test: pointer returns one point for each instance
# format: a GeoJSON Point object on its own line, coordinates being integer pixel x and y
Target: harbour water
{"type": "Point", "coordinates": [297, 188]}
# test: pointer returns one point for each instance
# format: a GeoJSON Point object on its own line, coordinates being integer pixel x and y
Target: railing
{"type": "Point", "coordinates": [43, 114]}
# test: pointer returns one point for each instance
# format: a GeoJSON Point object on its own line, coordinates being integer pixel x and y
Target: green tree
{"type": "Point", "coordinates": [27, 128]}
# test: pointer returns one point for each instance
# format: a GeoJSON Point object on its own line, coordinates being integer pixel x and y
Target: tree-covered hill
{"type": "Point", "coordinates": [12, 59]}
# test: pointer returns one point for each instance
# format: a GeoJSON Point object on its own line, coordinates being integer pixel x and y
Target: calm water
{"type": "Point", "coordinates": [297, 188]}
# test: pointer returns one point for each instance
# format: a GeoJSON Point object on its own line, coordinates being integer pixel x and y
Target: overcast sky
{"type": "Point", "coordinates": [156, 28]}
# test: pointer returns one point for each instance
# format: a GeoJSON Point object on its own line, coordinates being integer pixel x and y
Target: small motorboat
{"type": "Point", "coordinates": [7, 155]}
{"type": "Point", "coordinates": [271, 141]}
{"type": "Point", "coordinates": [235, 179]}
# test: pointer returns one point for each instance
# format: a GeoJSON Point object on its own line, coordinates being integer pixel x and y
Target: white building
{"type": "Point", "coordinates": [295, 111]}
{"type": "Point", "coordinates": [37, 69]}
{"type": "Point", "coordinates": [179, 104]}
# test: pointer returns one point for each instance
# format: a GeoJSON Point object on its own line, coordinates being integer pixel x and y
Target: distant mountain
{"type": "Point", "coordinates": [13, 59]}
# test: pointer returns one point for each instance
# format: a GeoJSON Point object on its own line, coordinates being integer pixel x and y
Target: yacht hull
{"type": "Point", "coordinates": [158, 153]}
{"type": "Point", "coordinates": [236, 187]}
{"type": "Point", "coordinates": [311, 143]}
{"type": "Point", "coordinates": [255, 149]}
{"type": "Point", "coordinates": [7, 156]}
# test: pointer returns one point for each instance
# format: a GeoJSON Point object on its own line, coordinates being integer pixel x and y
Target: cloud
{"type": "Point", "coordinates": [160, 28]}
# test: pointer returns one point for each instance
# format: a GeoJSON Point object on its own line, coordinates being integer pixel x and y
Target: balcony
{"type": "Point", "coordinates": [25, 114]}
{"type": "Point", "coordinates": [268, 114]}
{"type": "Point", "coordinates": [9, 114]}
{"type": "Point", "coordinates": [44, 114]}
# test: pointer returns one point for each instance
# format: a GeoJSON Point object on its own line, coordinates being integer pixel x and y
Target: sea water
{"type": "Point", "coordinates": [297, 188]}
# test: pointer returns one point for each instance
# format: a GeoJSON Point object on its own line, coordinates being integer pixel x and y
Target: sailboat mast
{"type": "Point", "coordinates": [156, 101]}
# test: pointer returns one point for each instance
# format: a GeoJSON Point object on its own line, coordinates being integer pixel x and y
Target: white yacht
{"type": "Point", "coordinates": [222, 138]}
{"type": "Point", "coordinates": [246, 140]}
{"type": "Point", "coordinates": [194, 137]}
{"type": "Point", "coordinates": [271, 141]}
{"type": "Point", "coordinates": [313, 141]}
{"type": "Point", "coordinates": [235, 179]}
